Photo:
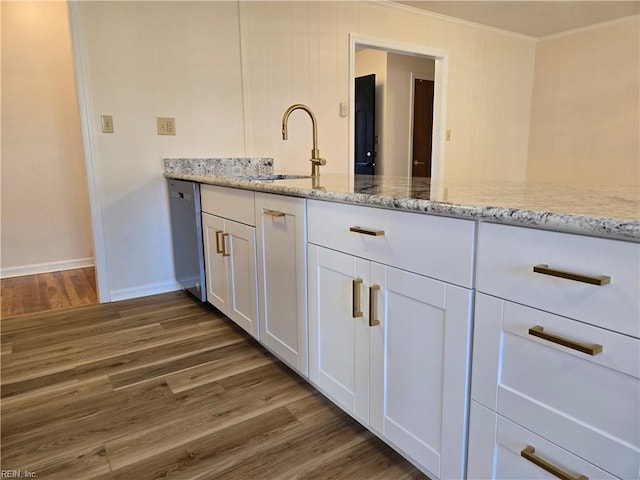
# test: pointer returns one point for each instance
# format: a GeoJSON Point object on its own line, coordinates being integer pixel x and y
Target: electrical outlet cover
{"type": "Point", "coordinates": [107, 123]}
{"type": "Point", "coordinates": [166, 125]}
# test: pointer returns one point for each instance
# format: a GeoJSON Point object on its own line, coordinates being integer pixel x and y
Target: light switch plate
{"type": "Point", "coordinates": [107, 123]}
{"type": "Point", "coordinates": [166, 125]}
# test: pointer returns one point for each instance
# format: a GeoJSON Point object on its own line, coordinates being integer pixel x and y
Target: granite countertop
{"type": "Point", "coordinates": [606, 211]}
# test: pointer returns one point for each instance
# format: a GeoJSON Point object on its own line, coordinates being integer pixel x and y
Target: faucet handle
{"type": "Point", "coordinates": [318, 161]}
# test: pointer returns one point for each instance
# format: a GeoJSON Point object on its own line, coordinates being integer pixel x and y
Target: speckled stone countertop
{"type": "Point", "coordinates": [218, 167]}
{"type": "Point", "coordinates": [612, 212]}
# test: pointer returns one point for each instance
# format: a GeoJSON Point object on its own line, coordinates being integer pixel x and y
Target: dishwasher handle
{"type": "Point", "coordinates": [181, 195]}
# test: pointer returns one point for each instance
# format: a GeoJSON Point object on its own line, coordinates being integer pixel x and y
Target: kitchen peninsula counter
{"type": "Point", "coordinates": [462, 288]}
{"type": "Point", "coordinates": [605, 211]}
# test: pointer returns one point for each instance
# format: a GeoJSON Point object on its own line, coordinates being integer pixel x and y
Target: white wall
{"type": "Point", "coordinates": [585, 115]}
{"type": "Point", "coordinates": [298, 52]}
{"type": "Point", "coordinates": [227, 71]}
{"type": "Point", "coordinates": [148, 59]}
{"type": "Point", "coordinates": [45, 207]}
{"type": "Point", "coordinates": [184, 59]}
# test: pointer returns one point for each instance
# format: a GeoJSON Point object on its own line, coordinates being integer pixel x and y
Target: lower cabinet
{"type": "Point", "coordinates": [392, 348]}
{"type": "Point", "coordinates": [556, 373]}
{"type": "Point", "coordinates": [556, 378]}
{"type": "Point", "coordinates": [282, 277]}
{"type": "Point", "coordinates": [500, 448]}
{"type": "Point", "coordinates": [561, 395]}
{"type": "Point", "coordinates": [230, 265]}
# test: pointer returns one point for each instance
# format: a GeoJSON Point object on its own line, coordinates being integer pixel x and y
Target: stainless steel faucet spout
{"type": "Point", "coordinates": [315, 159]}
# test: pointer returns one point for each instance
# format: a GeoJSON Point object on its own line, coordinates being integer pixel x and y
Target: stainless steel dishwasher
{"type": "Point", "coordinates": [186, 232]}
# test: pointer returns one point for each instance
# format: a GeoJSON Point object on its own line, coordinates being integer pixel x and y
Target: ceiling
{"type": "Point", "coordinates": [536, 19]}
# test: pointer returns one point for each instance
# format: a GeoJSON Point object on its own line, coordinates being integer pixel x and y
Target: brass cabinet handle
{"type": "Point", "coordinates": [224, 246]}
{"type": "Point", "coordinates": [367, 231]}
{"type": "Point", "coordinates": [219, 244]}
{"type": "Point", "coordinates": [593, 280]}
{"type": "Point", "coordinates": [355, 297]}
{"type": "Point", "coordinates": [273, 213]}
{"type": "Point", "coordinates": [372, 305]}
{"type": "Point", "coordinates": [589, 348]}
{"type": "Point", "coordinates": [528, 453]}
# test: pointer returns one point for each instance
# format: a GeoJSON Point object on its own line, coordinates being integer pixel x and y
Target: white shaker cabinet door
{"type": "Point", "coordinates": [230, 265]}
{"type": "Point", "coordinates": [215, 262]}
{"type": "Point", "coordinates": [420, 366]}
{"type": "Point", "coordinates": [282, 278]}
{"type": "Point", "coordinates": [240, 246]}
{"type": "Point", "coordinates": [338, 330]}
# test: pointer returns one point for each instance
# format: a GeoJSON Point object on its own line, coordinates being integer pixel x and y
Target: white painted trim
{"type": "Point", "coordinates": [144, 290]}
{"type": "Point", "coordinates": [595, 26]}
{"type": "Point", "coordinates": [447, 18]}
{"type": "Point", "coordinates": [245, 69]}
{"type": "Point", "coordinates": [441, 75]}
{"type": "Point", "coordinates": [394, 46]}
{"type": "Point", "coordinates": [46, 267]}
{"type": "Point", "coordinates": [352, 105]}
{"type": "Point", "coordinates": [439, 124]}
{"type": "Point", "coordinates": [88, 141]}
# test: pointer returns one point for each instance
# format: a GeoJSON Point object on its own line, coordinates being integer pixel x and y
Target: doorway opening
{"type": "Point", "coordinates": [397, 68]}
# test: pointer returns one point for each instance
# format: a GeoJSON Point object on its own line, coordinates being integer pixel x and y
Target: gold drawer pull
{"type": "Point", "coordinates": [273, 213]}
{"type": "Point", "coordinates": [528, 453]}
{"type": "Point", "coordinates": [355, 305]}
{"type": "Point", "coordinates": [593, 280]}
{"type": "Point", "coordinates": [219, 244]}
{"type": "Point", "coordinates": [367, 231]}
{"type": "Point", "coordinates": [372, 305]}
{"type": "Point", "coordinates": [224, 245]}
{"type": "Point", "coordinates": [591, 349]}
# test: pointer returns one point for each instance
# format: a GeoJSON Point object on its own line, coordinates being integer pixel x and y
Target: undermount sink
{"type": "Point", "coordinates": [275, 176]}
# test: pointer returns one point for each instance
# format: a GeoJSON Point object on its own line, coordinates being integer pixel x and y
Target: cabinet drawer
{"type": "Point", "coordinates": [231, 203]}
{"type": "Point", "coordinates": [436, 247]}
{"type": "Point", "coordinates": [495, 452]}
{"type": "Point", "coordinates": [586, 404]}
{"type": "Point", "coordinates": [507, 256]}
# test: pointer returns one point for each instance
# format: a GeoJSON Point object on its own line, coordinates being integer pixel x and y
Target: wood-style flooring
{"type": "Point", "coordinates": [47, 291]}
{"type": "Point", "coordinates": [166, 387]}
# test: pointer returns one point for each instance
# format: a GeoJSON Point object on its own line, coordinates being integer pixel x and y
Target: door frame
{"type": "Point", "coordinates": [412, 92]}
{"type": "Point", "coordinates": [85, 107]}
{"type": "Point", "coordinates": [441, 58]}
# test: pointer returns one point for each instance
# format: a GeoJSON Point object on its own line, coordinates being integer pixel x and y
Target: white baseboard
{"type": "Point", "coordinates": [36, 268]}
{"type": "Point", "coordinates": [144, 290]}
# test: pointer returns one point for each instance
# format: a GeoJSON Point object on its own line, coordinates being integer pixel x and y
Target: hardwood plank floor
{"type": "Point", "coordinates": [167, 387]}
{"type": "Point", "coordinates": [47, 291]}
